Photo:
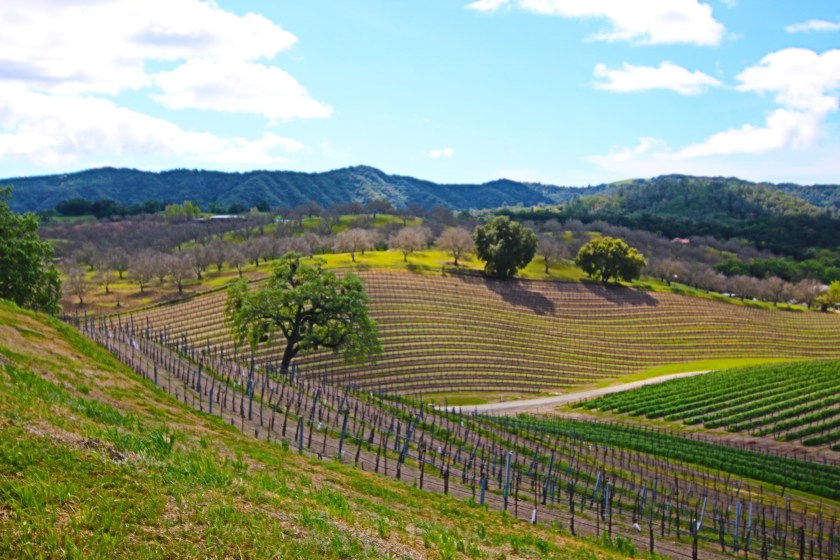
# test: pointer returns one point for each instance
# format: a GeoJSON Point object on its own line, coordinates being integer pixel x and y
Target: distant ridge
{"type": "Point", "coordinates": [288, 188]}
{"type": "Point", "coordinates": [363, 183]}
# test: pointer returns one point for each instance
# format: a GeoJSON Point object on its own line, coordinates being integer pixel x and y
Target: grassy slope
{"type": "Point", "coordinates": [96, 463]}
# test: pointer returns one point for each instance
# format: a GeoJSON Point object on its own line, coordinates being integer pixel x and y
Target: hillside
{"type": "Point", "coordinates": [287, 188]}
{"type": "Point", "coordinates": [468, 334]}
{"type": "Point", "coordinates": [97, 463]}
{"type": "Point", "coordinates": [725, 208]}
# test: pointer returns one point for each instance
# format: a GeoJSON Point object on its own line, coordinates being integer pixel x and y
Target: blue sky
{"type": "Point", "coordinates": [569, 92]}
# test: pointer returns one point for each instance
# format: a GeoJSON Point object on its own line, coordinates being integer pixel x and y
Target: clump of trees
{"type": "Point", "coordinates": [310, 308]}
{"type": "Point", "coordinates": [27, 275]}
{"type": "Point", "coordinates": [504, 246]}
{"type": "Point", "coordinates": [181, 212]}
{"type": "Point", "coordinates": [607, 258]}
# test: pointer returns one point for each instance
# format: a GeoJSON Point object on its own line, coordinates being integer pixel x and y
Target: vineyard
{"type": "Point", "coordinates": [791, 402]}
{"type": "Point", "coordinates": [447, 334]}
{"type": "Point", "coordinates": [814, 478]}
{"type": "Point", "coordinates": [593, 480]}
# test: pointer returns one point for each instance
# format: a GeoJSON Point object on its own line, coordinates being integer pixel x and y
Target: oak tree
{"type": "Point", "coordinates": [311, 308]}
{"type": "Point", "coordinates": [27, 275]}
{"type": "Point", "coordinates": [504, 246]}
{"type": "Point", "coordinates": [606, 258]}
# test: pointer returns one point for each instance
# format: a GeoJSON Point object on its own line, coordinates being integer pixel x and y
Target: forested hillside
{"type": "Point", "coordinates": [763, 215]}
{"type": "Point", "coordinates": [275, 188]}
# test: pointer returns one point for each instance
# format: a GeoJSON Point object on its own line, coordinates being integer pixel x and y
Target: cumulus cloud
{"type": "Point", "coordinates": [441, 153]}
{"type": "Point", "coordinates": [803, 83]}
{"type": "Point", "coordinates": [236, 86]}
{"type": "Point", "coordinates": [813, 25]}
{"type": "Point", "coordinates": [653, 22]}
{"type": "Point", "coordinates": [58, 129]}
{"type": "Point", "coordinates": [64, 64]}
{"type": "Point", "coordinates": [667, 76]}
{"type": "Point", "coordinates": [102, 46]}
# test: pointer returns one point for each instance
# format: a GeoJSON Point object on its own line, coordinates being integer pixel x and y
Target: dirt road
{"type": "Point", "coordinates": [546, 403]}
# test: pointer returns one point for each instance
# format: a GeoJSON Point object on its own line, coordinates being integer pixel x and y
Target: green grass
{"type": "Point", "coordinates": [697, 365]}
{"type": "Point", "coordinates": [790, 401]}
{"type": "Point", "coordinates": [96, 463]}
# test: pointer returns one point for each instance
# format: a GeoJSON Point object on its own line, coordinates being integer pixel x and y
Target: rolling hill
{"type": "Point", "coordinates": [468, 334]}
{"type": "Point", "coordinates": [98, 463]}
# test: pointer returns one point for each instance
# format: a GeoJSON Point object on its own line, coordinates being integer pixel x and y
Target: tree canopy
{"type": "Point", "coordinates": [504, 246]}
{"type": "Point", "coordinates": [310, 307]}
{"type": "Point", "coordinates": [27, 275]}
{"type": "Point", "coordinates": [606, 258]}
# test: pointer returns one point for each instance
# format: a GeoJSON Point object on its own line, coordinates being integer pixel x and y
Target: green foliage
{"type": "Point", "coordinates": [815, 478]}
{"type": "Point", "coordinates": [832, 296]}
{"type": "Point", "coordinates": [181, 212]}
{"type": "Point", "coordinates": [790, 401]}
{"type": "Point", "coordinates": [310, 307]}
{"type": "Point", "coordinates": [27, 275]}
{"type": "Point", "coordinates": [606, 258]}
{"type": "Point", "coordinates": [768, 217]}
{"type": "Point", "coordinates": [505, 246]}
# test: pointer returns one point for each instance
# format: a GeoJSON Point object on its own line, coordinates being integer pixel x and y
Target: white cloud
{"type": "Point", "coordinates": [104, 46]}
{"type": "Point", "coordinates": [59, 129]}
{"type": "Point", "coordinates": [441, 153]}
{"type": "Point", "coordinates": [800, 78]}
{"type": "Point", "coordinates": [642, 78]}
{"type": "Point", "coordinates": [813, 25]}
{"type": "Point", "coordinates": [63, 62]}
{"type": "Point", "coordinates": [653, 22]}
{"type": "Point", "coordinates": [783, 128]}
{"type": "Point", "coordinates": [816, 165]}
{"type": "Point", "coordinates": [805, 85]}
{"type": "Point", "coordinates": [487, 5]}
{"type": "Point", "coordinates": [235, 86]}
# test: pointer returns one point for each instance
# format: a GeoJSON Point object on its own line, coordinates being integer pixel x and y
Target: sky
{"type": "Point", "coordinates": [565, 92]}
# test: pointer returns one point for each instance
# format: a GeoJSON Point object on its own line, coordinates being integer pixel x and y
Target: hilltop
{"type": "Point", "coordinates": [729, 197]}
{"type": "Point", "coordinates": [275, 188]}
{"type": "Point", "coordinates": [98, 463]}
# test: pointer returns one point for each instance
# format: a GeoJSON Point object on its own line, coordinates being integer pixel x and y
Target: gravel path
{"type": "Point", "coordinates": [513, 407]}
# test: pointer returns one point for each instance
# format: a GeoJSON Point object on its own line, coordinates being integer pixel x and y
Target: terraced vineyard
{"type": "Point", "coordinates": [791, 402]}
{"type": "Point", "coordinates": [447, 334]}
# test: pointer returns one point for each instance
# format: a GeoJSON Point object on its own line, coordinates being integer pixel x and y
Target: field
{"type": "Point", "coordinates": [590, 479]}
{"type": "Point", "coordinates": [98, 463]}
{"type": "Point", "coordinates": [791, 402]}
{"type": "Point", "coordinates": [465, 334]}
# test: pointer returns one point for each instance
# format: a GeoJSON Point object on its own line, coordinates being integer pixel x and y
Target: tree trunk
{"type": "Point", "coordinates": [288, 354]}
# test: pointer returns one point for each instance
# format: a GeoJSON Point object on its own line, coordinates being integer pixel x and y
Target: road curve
{"type": "Point", "coordinates": [511, 407]}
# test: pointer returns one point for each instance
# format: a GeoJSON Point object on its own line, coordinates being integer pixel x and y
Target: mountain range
{"type": "Point", "coordinates": [363, 183]}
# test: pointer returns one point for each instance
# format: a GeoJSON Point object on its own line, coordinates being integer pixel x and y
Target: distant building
{"type": "Point", "coordinates": [220, 218]}
{"type": "Point", "coordinates": [681, 241]}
